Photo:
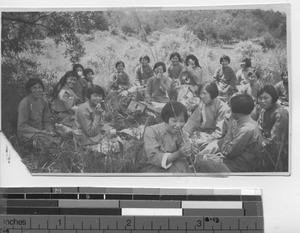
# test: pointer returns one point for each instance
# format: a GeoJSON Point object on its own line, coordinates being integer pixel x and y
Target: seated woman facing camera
{"type": "Point", "coordinates": [207, 120]}
{"type": "Point", "coordinates": [240, 148]}
{"type": "Point", "coordinates": [34, 116]}
{"type": "Point", "coordinates": [165, 146]}
{"type": "Point", "coordinates": [158, 86]}
{"type": "Point", "coordinates": [64, 100]}
{"type": "Point", "coordinates": [90, 128]}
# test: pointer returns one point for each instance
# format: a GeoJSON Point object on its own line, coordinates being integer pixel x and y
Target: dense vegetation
{"type": "Point", "coordinates": [47, 44]}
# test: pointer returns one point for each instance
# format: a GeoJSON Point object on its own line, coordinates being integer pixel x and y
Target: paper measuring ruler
{"type": "Point", "coordinates": [130, 210]}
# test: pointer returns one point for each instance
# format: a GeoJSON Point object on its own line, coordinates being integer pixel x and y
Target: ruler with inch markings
{"type": "Point", "coordinates": [130, 210]}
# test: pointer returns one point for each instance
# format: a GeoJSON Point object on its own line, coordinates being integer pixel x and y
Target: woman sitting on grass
{"type": "Point", "coordinates": [207, 120]}
{"type": "Point", "coordinates": [192, 73]}
{"type": "Point", "coordinates": [120, 80]}
{"type": "Point", "coordinates": [81, 84]}
{"type": "Point", "coordinates": [144, 71]}
{"type": "Point", "coordinates": [165, 147]}
{"type": "Point", "coordinates": [240, 148]}
{"type": "Point", "coordinates": [225, 79]}
{"type": "Point", "coordinates": [90, 128]}
{"type": "Point", "coordinates": [89, 76]}
{"type": "Point", "coordinates": [273, 122]}
{"type": "Point", "coordinates": [64, 100]}
{"type": "Point", "coordinates": [34, 116]}
{"type": "Point", "coordinates": [158, 86]}
{"type": "Point", "coordinates": [176, 67]}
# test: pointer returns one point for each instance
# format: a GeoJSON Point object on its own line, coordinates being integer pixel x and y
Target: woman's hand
{"type": "Point", "coordinates": [99, 110]}
{"type": "Point", "coordinates": [186, 150]}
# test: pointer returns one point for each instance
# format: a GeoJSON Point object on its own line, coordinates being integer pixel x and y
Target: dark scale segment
{"type": "Point", "coordinates": [63, 196]}
{"type": "Point", "coordinates": [174, 197]}
{"type": "Point", "coordinates": [32, 211]}
{"type": "Point", "coordinates": [251, 198]}
{"type": "Point", "coordinates": [118, 197]}
{"type": "Point", "coordinates": [38, 196]}
{"type": "Point", "coordinates": [13, 196]}
{"type": "Point", "coordinates": [146, 197]}
{"type": "Point", "coordinates": [91, 196]}
{"type": "Point", "coordinates": [90, 211]}
{"type": "Point", "coordinates": [31, 203]}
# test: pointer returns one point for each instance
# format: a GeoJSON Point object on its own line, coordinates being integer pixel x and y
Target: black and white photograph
{"type": "Point", "coordinates": [148, 91]}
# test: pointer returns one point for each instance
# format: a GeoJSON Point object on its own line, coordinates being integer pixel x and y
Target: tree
{"type": "Point", "coordinates": [21, 30]}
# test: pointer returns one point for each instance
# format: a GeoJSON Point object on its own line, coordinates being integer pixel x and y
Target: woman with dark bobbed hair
{"type": "Point", "coordinates": [208, 119]}
{"type": "Point", "coordinates": [158, 86]}
{"type": "Point", "coordinates": [273, 122]}
{"type": "Point", "coordinates": [239, 149]}
{"type": "Point", "coordinates": [34, 116]}
{"type": "Point", "coordinates": [192, 73]}
{"type": "Point", "coordinates": [120, 81]}
{"type": "Point", "coordinates": [242, 74]}
{"type": "Point", "coordinates": [165, 146]}
{"type": "Point", "coordinates": [64, 99]}
{"type": "Point", "coordinates": [81, 84]}
{"type": "Point", "coordinates": [144, 71]}
{"type": "Point", "coordinates": [225, 79]}
{"type": "Point", "coordinates": [176, 66]}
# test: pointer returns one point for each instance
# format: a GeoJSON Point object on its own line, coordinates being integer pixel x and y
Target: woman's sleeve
{"type": "Point", "coordinates": [196, 74]}
{"type": "Point", "coordinates": [233, 79]}
{"type": "Point", "coordinates": [223, 113]}
{"type": "Point", "coordinates": [47, 122]}
{"type": "Point", "coordinates": [234, 146]}
{"type": "Point", "coordinates": [280, 127]}
{"type": "Point", "coordinates": [127, 81]}
{"type": "Point", "coordinates": [24, 128]}
{"type": "Point", "coordinates": [155, 155]}
{"type": "Point", "coordinates": [194, 121]}
{"type": "Point", "coordinates": [67, 99]}
{"type": "Point", "coordinates": [137, 79]}
{"type": "Point", "coordinates": [149, 90]}
{"type": "Point", "coordinates": [91, 128]}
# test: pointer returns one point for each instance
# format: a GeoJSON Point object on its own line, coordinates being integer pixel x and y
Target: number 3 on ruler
{"type": "Point", "coordinates": [199, 223]}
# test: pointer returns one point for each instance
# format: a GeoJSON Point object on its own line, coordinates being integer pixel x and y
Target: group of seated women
{"type": "Point", "coordinates": [229, 124]}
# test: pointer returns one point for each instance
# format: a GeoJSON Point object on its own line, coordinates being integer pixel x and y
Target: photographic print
{"type": "Point", "coordinates": [148, 91]}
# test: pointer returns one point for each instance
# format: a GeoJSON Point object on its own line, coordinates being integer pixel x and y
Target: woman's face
{"type": "Point", "coordinates": [243, 64]}
{"type": "Point", "coordinates": [253, 79]}
{"type": "Point", "coordinates": [90, 76]}
{"type": "Point", "coordinates": [205, 96]}
{"type": "Point", "coordinates": [71, 82]}
{"type": "Point", "coordinates": [159, 70]}
{"type": "Point", "coordinates": [176, 124]}
{"type": "Point", "coordinates": [175, 60]}
{"type": "Point", "coordinates": [224, 63]}
{"type": "Point", "coordinates": [120, 68]}
{"type": "Point", "coordinates": [144, 62]}
{"type": "Point", "coordinates": [191, 63]}
{"type": "Point", "coordinates": [79, 71]}
{"type": "Point", "coordinates": [36, 91]}
{"type": "Point", "coordinates": [265, 100]}
{"type": "Point", "coordinates": [95, 99]}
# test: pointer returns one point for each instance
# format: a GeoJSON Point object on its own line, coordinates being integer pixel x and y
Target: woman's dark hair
{"type": "Point", "coordinates": [77, 66]}
{"type": "Point", "coordinates": [176, 55]}
{"type": "Point", "coordinates": [96, 89]}
{"type": "Point", "coordinates": [157, 64]}
{"type": "Point", "coordinates": [225, 57]}
{"type": "Point", "coordinates": [269, 89]}
{"type": "Point", "coordinates": [87, 71]}
{"type": "Point", "coordinates": [242, 103]}
{"type": "Point", "coordinates": [61, 83]}
{"type": "Point", "coordinates": [146, 57]}
{"type": "Point", "coordinates": [247, 62]}
{"type": "Point", "coordinates": [257, 74]}
{"type": "Point", "coordinates": [173, 109]}
{"type": "Point", "coordinates": [194, 58]}
{"type": "Point", "coordinates": [120, 62]}
{"type": "Point", "coordinates": [31, 82]}
{"type": "Point", "coordinates": [211, 88]}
